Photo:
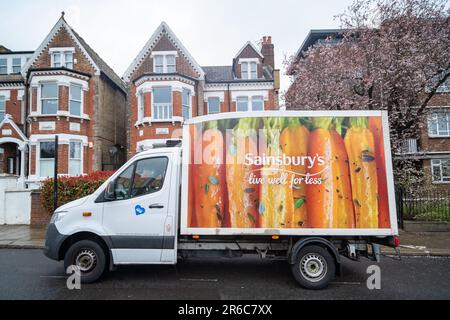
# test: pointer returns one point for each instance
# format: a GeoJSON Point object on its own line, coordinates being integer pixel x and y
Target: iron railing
{"type": "Point", "coordinates": [423, 205]}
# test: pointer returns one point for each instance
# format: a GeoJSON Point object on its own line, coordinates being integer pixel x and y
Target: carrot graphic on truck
{"type": "Point", "coordinates": [276, 206]}
{"type": "Point", "coordinates": [294, 143]}
{"type": "Point", "coordinates": [360, 147]}
{"type": "Point", "coordinates": [329, 204]}
{"type": "Point", "coordinates": [209, 182]}
{"type": "Point", "coordinates": [243, 196]}
{"type": "Point", "coordinates": [375, 126]}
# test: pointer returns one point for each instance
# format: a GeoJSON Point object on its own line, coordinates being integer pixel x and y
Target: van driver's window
{"type": "Point", "coordinates": [123, 184]}
{"type": "Point", "coordinates": [149, 176]}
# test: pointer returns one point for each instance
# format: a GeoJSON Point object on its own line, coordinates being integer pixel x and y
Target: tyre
{"type": "Point", "coordinates": [89, 256]}
{"type": "Point", "coordinates": [314, 267]}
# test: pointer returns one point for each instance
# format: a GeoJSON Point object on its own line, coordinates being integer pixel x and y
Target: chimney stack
{"type": "Point", "coordinates": [268, 52]}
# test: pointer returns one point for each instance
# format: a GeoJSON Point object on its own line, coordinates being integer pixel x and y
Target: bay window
{"type": "Point", "coordinates": [439, 123]}
{"type": "Point", "coordinates": [49, 98]}
{"type": "Point", "coordinates": [162, 103]}
{"type": "Point", "coordinates": [185, 102]}
{"type": "Point", "coordinates": [440, 169]}
{"type": "Point", "coordinates": [46, 159]}
{"type": "Point", "coordinates": [213, 105]}
{"type": "Point", "coordinates": [2, 108]}
{"type": "Point", "coordinates": [140, 106]}
{"type": "Point", "coordinates": [75, 100]}
{"type": "Point", "coordinates": [75, 158]}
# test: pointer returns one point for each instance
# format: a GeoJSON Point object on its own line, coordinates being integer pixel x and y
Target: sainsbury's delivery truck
{"type": "Point", "coordinates": [308, 187]}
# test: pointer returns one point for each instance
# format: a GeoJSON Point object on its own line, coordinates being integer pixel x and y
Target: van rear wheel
{"type": "Point", "coordinates": [314, 267]}
{"type": "Point", "coordinates": [89, 257]}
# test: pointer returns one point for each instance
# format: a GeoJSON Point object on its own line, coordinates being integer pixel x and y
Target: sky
{"type": "Point", "coordinates": [212, 31]}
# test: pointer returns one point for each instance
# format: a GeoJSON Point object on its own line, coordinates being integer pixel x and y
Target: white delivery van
{"type": "Point", "coordinates": [308, 187]}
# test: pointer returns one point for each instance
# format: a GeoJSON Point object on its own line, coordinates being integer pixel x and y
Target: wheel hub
{"type": "Point", "coordinates": [86, 260]}
{"type": "Point", "coordinates": [313, 267]}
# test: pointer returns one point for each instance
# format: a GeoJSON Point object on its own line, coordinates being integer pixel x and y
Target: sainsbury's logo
{"type": "Point", "coordinates": [284, 160]}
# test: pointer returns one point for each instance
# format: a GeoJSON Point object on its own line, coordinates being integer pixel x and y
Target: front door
{"type": "Point", "coordinates": [135, 218]}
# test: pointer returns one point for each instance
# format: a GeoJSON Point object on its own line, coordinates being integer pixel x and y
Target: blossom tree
{"type": "Point", "coordinates": [391, 55]}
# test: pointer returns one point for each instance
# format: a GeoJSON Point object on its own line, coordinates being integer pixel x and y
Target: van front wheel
{"type": "Point", "coordinates": [314, 267]}
{"type": "Point", "coordinates": [89, 257]}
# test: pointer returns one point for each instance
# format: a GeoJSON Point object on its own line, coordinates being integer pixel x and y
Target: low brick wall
{"type": "Point", "coordinates": [39, 215]}
{"type": "Point", "coordinates": [426, 226]}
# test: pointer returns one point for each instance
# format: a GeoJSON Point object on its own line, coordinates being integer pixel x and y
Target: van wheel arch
{"type": "Point", "coordinates": [84, 236]}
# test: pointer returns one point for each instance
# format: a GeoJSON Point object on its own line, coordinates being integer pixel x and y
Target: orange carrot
{"type": "Point", "coordinates": [209, 180]}
{"type": "Point", "coordinates": [294, 142]}
{"type": "Point", "coordinates": [329, 203]}
{"type": "Point", "coordinates": [383, 201]}
{"type": "Point", "coordinates": [360, 147]}
{"type": "Point", "coordinates": [276, 206]}
{"type": "Point", "coordinates": [243, 196]}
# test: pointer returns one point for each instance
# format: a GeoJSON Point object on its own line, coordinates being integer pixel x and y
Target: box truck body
{"type": "Point", "coordinates": [304, 186]}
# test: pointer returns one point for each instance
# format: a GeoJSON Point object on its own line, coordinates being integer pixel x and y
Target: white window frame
{"type": "Point", "coordinates": [80, 101]}
{"type": "Point", "coordinates": [5, 66]}
{"type": "Point", "coordinates": [38, 157]}
{"type": "Point", "coordinates": [80, 160]}
{"type": "Point", "coordinates": [3, 112]}
{"type": "Point", "coordinates": [189, 103]}
{"type": "Point", "coordinates": [247, 100]}
{"type": "Point", "coordinates": [262, 100]}
{"type": "Point", "coordinates": [434, 117]}
{"type": "Point", "coordinates": [62, 53]}
{"type": "Point", "coordinates": [164, 55]}
{"type": "Point", "coordinates": [140, 106]}
{"type": "Point", "coordinates": [250, 102]}
{"type": "Point", "coordinates": [438, 163]}
{"type": "Point", "coordinates": [248, 62]}
{"type": "Point", "coordinates": [40, 97]}
{"type": "Point", "coordinates": [15, 65]}
{"type": "Point", "coordinates": [220, 102]}
{"type": "Point", "coordinates": [170, 109]}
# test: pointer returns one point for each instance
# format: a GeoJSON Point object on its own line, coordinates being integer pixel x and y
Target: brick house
{"type": "Point", "coordinates": [431, 147]}
{"type": "Point", "coordinates": [63, 88]}
{"type": "Point", "coordinates": [166, 85]}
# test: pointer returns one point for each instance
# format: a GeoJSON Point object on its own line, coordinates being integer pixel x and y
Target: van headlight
{"type": "Point", "coordinates": [57, 216]}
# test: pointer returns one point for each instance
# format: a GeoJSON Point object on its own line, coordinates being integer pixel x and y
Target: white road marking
{"type": "Point", "coordinates": [204, 280]}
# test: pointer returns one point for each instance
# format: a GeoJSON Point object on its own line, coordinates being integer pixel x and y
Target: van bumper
{"type": "Point", "coordinates": [53, 242]}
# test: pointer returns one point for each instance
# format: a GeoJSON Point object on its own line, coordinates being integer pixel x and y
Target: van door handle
{"type": "Point", "coordinates": [156, 206]}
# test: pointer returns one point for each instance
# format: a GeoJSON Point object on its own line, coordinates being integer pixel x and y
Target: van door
{"type": "Point", "coordinates": [135, 218]}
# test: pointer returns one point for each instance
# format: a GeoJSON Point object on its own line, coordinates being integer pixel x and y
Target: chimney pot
{"type": "Point", "coordinates": [269, 39]}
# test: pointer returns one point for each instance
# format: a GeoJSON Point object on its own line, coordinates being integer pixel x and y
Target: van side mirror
{"type": "Point", "coordinates": [110, 193]}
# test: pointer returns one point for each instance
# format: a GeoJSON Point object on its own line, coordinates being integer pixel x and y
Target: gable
{"type": "Point", "coordinates": [60, 30]}
{"type": "Point", "coordinates": [62, 39]}
{"type": "Point", "coordinates": [8, 125]}
{"type": "Point", "coordinates": [163, 39]}
{"type": "Point", "coordinates": [248, 52]}
{"type": "Point", "coordinates": [183, 66]}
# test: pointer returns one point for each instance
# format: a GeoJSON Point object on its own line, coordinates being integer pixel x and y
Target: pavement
{"type": "Point", "coordinates": [28, 274]}
{"type": "Point", "coordinates": [411, 243]}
